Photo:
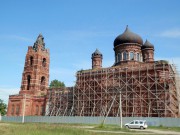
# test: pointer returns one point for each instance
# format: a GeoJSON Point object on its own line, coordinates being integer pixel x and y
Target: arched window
{"type": "Point", "coordinates": [12, 110]}
{"type": "Point", "coordinates": [145, 56]}
{"type": "Point", "coordinates": [124, 56]}
{"type": "Point", "coordinates": [96, 63]}
{"type": "Point", "coordinates": [28, 82]}
{"type": "Point", "coordinates": [37, 110]}
{"type": "Point", "coordinates": [17, 110]}
{"type": "Point", "coordinates": [44, 62]}
{"type": "Point", "coordinates": [43, 83]}
{"type": "Point", "coordinates": [119, 57]}
{"type": "Point", "coordinates": [42, 110]}
{"type": "Point", "coordinates": [43, 80]}
{"type": "Point", "coordinates": [138, 57]}
{"type": "Point", "coordinates": [131, 55]}
{"type": "Point", "coordinates": [31, 61]}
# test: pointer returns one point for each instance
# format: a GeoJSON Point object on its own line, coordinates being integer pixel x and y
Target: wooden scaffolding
{"type": "Point", "coordinates": [59, 102]}
{"type": "Point", "coordinates": [145, 90]}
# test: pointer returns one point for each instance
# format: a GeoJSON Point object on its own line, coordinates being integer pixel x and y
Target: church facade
{"type": "Point", "coordinates": [135, 85]}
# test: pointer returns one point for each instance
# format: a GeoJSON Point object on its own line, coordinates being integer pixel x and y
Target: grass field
{"type": "Point", "coordinates": [53, 129]}
{"type": "Point", "coordinates": [63, 129]}
{"type": "Point", "coordinates": [43, 129]}
{"type": "Point", "coordinates": [38, 129]}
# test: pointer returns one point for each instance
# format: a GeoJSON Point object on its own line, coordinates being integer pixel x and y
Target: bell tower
{"type": "Point", "coordinates": [96, 59]}
{"type": "Point", "coordinates": [31, 99]}
{"type": "Point", "coordinates": [35, 76]}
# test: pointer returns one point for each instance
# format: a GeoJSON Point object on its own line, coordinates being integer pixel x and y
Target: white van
{"type": "Point", "coordinates": [142, 124]}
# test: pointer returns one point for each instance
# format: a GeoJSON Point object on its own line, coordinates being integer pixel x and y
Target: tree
{"type": "Point", "coordinates": [56, 84]}
{"type": "Point", "coordinates": [3, 108]}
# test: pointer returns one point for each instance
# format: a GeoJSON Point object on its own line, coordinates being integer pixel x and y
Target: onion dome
{"type": "Point", "coordinates": [96, 53]}
{"type": "Point", "coordinates": [147, 44]}
{"type": "Point", "coordinates": [128, 37]}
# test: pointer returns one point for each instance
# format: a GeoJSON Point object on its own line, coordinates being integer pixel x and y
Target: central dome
{"type": "Point", "coordinates": [128, 37]}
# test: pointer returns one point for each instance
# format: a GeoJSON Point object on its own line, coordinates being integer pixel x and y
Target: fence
{"type": "Point", "coordinates": [152, 121]}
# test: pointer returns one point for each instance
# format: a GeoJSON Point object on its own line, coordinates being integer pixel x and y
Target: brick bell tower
{"type": "Point", "coordinates": [35, 79]}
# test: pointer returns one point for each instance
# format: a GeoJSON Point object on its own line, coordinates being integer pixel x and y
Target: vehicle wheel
{"type": "Point", "coordinates": [127, 127]}
{"type": "Point", "coordinates": [141, 128]}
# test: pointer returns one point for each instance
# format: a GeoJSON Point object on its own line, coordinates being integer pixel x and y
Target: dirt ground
{"type": "Point", "coordinates": [155, 131]}
{"type": "Point", "coordinates": [147, 131]}
{"type": "Point", "coordinates": [137, 131]}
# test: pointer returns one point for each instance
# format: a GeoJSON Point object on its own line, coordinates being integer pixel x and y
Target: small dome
{"type": "Point", "coordinates": [147, 44]}
{"type": "Point", "coordinates": [128, 37]}
{"type": "Point", "coordinates": [97, 52]}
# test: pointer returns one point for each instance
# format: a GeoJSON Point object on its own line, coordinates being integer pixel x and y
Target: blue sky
{"type": "Point", "coordinates": [73, 29]}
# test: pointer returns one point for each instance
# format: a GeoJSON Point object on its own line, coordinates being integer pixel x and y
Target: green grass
{"type": "Point", "coordinates": [45, 129]}
{"type": "Point", "coordinates": [38, 129]}
{"type": "Point", "coordinates": [66, 129]}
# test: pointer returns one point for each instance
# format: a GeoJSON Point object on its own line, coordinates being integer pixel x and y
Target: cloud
{"type": "Point", "coordinates": [172, 33]}
{"type": "Point", "coordinates": [16, 37]}
{"type": "Point", "coordinates": [20, 38]}
{"type": "Point", "coordinates": [5, 92]}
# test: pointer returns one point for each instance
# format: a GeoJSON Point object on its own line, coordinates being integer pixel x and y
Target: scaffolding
{"type": "Point", "coordinates": [177, 81]}
{"type": "Point", "coordinates": [145, 90]}
{"type": "Point", "coordinates": [59, 102]}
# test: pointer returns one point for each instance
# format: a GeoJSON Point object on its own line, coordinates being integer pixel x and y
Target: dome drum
{"type": "Point", "coordinates": [129, 49]}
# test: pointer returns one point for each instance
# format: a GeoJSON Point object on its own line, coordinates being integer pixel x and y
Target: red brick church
{"type": "Point", "coordinates": [136, 84]}
{"type": "Point", "coordinates": [35, 80]}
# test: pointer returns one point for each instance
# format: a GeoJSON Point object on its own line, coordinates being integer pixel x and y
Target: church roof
{"type": "Point", "coordinates": [147, 44]}
{"type": "Point", "coordinates": [97, 52]}
{"type": "Point", "coordinates": [128, 37]}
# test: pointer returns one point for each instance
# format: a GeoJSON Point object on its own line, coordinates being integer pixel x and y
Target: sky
{"type": "Point", "coordinates": [73, 29]}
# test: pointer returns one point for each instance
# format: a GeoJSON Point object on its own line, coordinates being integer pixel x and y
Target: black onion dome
{"type": "Point", "coordinates": [147, 44]}
{"type": "Point", "coordinates": [128, 37]}
{"type": "Point", "coordinates": [97, 52]}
